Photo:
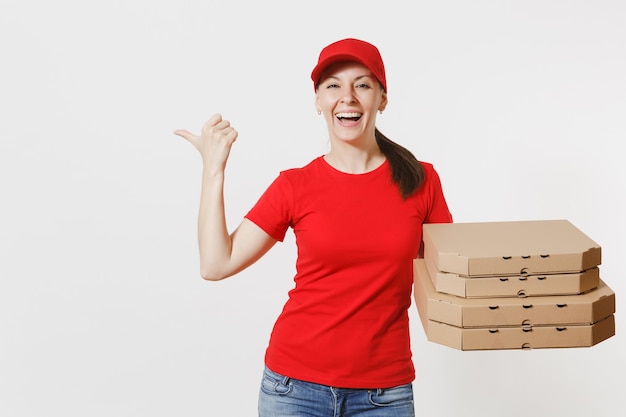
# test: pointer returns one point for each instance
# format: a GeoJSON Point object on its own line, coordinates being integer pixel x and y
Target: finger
{"type": "Point", "coordinates": [220, 128]}
{"type": "Point", "coordinates": [232, 135]}
{"type": "Point", "coordinates": [223, 125]}
{"type": "Point", "coordinates": [213, 120]}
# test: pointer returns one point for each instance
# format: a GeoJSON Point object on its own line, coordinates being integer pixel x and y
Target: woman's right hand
{"type": "Point", "coordinates": [214, 142]}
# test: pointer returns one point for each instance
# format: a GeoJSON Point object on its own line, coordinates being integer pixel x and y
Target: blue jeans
{"type": "Point", "coordinates": [281, 396]}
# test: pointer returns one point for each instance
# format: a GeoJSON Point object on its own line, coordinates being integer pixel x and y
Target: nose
{"type": "Point", "coordinates": [348, 95]}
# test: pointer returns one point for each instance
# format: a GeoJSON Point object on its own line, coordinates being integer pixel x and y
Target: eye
{"type": "Point", "coordinates": [362, 85]}
{"type": "Point", "coordinates": [332, 85]}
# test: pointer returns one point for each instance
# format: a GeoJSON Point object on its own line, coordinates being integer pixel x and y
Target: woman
{"type": "Point", "coordinates": [341, 344]}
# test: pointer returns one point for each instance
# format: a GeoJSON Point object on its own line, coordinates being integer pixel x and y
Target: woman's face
{"type": "Point", "coordinates": [349, 96]}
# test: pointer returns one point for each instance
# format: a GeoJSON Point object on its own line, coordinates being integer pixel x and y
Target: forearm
{"type": "Point", "coordinates": [214, 241]}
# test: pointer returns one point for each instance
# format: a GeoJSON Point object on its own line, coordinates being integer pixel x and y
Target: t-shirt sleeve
{"type": "Point", "coordinates": [273, 211]}
{"type": "Point", "coordinates": [439, 211]}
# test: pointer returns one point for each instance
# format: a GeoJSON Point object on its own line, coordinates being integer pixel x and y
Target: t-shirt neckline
{"type": "Point", "coordinates": [380, 168]}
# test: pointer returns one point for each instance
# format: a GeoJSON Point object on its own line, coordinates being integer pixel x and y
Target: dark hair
{"type": "Point", "coordinates": [406, 170]}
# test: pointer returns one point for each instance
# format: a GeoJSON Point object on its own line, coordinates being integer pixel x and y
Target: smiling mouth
{"type": "Point", "coordinates": [353, 116]}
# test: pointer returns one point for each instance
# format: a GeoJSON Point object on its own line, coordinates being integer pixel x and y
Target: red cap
{"type": "Point", "coordinates": [351, 50]}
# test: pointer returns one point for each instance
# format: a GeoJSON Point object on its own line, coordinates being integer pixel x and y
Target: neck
{"type": "Point", "coordinates": [354, 160]}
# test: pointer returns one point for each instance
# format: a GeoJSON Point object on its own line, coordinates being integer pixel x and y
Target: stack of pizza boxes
{"type": "Point", "coordinates": [512, 285]}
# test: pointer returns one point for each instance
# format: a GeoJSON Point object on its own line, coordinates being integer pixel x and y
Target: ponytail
{"type": "Point", "coordinates": [406, 171]}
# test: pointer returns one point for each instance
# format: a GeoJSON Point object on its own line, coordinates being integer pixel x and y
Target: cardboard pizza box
{"type": "Point", "coordinates": [569, 283]}
{"type": "Point", "coordinates": [519, 337]}
{"type": "Point", "coordinates": [586, 308]}
{"type": "Point", "coordinates": [509, 248]}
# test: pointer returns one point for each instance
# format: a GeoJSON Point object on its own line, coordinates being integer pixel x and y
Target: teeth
{"type": "Point", "coordinates": [346, 115]}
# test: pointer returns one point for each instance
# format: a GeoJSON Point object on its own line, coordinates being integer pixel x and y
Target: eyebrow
{"type": "Point", "coordinates": [356, 79]}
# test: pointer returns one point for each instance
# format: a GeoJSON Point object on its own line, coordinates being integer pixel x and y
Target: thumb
{"type": "Point", "coordinates": [185, 135]}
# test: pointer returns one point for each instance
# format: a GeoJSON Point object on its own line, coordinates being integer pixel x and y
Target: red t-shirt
{"type": "Point", "coordinates": [346, 322]}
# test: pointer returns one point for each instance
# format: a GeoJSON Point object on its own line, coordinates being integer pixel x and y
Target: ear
{"type": "Point", "coordinates": [383, 103]}
{"type": "Point", "coordinates": [318, 108]}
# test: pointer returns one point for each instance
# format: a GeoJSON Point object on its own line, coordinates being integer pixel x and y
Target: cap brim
{"type": "Point", "coordinates": [322, 65]}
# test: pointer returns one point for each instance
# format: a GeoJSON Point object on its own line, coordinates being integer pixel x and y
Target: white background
{"type": "Point", "coordinates": [519, 104]}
